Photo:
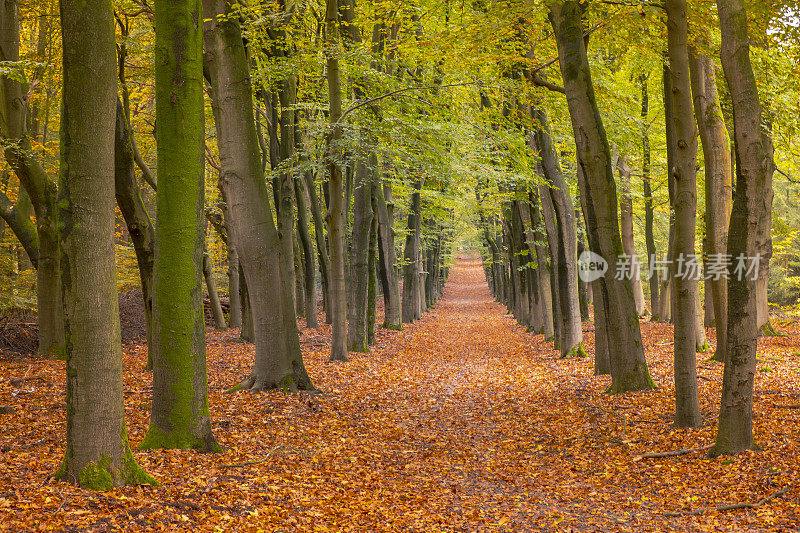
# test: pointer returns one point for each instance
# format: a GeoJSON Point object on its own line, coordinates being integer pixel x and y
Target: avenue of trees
{"type": "Point", "coordinates": [276, 155]}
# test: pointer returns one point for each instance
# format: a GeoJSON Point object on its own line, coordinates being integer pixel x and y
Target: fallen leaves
{"type": "Point", "coordinates": [461, 422]}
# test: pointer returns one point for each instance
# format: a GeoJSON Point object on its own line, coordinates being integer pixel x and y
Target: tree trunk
{"type": "Point", "coordinates": [309, 265]}
{"type": "Point", "coordinates": [411, 258]}
{"type": "Point", "coordinates": [97, 454]}
{"type": "Point", "coordinates": [137, 220]}
{"type": "Point", "coordinates": [287, 96]}
{"type": "Point", "coordinates": [387, 255]}
{"type": "Point", "coordinates": [602, 357]}
{"type": "Point", "coordinates": [213, 294]}
{"type": "Point", "coordinates": [180, 416]}
{"type": "Point", "coordinates": [718, 172]}
{"type": "Point", "coordinates": [518, 259]}
{"type": "Point", "coordinates": [628, 244]}
{"type": "Point", "coordinates": [628, 366]}
{"type": "Point", "coordinates": [649, 213]}
{"type": "Point", "coordinates": [248, 329]}
{"type": "Point", "coordinates": [584, 290]}
{"type": "Point", "coordinates": [299, 278]}
{"type": "Point", "coordinates": [687, 401]}
{"type": "Point", "coordinates": [543, 268]}
{"type": "Point", "coordinates": [359, 258]}
{"type": "Point", "coordinates": [278, 360]}
{"type": "Point", "coordinates": [42, 191]}
{"type": "Point", "coordinates": [749, 229]}
{"type": "Point", "coordinates": [566, 265]}
{"type": "Point", "coordinates": [372, 264]}
{"type": "Point", "coordinates": [322, 245]}
{"type": "Point", "coordinates": [234, 277]}
{"type": "Point", "coordinates": [336, 212]}
{"type": "Point", "coordinates": [553, 241]}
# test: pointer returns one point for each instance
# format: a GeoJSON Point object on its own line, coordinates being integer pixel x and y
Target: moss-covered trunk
{"type": "Point", "coordinates": [97, 454]}
{"type": "Point", "coordinates": [180, 416]}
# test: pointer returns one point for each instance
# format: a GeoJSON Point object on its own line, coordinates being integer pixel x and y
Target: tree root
{"type": "Point", "coordinates": [255, 384]}
{"type": "Point", "coordinates": [722, 508]}
{"type": "Point", "coordinates": [674, 453]}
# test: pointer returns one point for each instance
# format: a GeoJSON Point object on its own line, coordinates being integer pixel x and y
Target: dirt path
{"type": "Point", "coordinates": [460, 422]}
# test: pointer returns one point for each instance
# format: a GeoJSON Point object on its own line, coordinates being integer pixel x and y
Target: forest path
{"type": "Point", "coordinates": [460, 422]}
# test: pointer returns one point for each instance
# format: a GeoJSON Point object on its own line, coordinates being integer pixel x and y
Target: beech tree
{"type": "Point", "coordinates": [179, 417]}
{"type": "Point", "coordinates": [749, 229]}
{"type": "Point", "coordinates": [687, 401]}
{"type": "Point", "coordinates": [278, 361]}
{"type": "Point", "coordinates": [97, 453]}
{"type": "Point", "coordinates": [598, 193]}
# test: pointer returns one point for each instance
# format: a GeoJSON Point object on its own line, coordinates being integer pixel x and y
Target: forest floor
{"type": "Point", "coordinates": [460, 422]}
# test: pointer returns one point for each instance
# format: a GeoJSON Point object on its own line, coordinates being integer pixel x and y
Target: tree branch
{"type": "Point", "coordinates": [743, 505]}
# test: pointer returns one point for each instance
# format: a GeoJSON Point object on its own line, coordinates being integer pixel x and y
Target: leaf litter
{"type": "Point", "coordinates": [463, 421]}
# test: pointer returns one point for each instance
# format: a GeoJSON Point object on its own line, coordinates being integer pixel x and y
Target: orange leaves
{"type": "Point", "coordinates": [461, 422]}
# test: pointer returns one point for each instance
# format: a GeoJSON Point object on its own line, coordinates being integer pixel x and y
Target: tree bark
{"type": "Point", "coordinates": [213, 294]}
{"type": "Point", "coordinates": [286, 201]}
{"type": "Point", "coordinates": [137, 220]}
{"type": "Point", "coordinates": [248, 328]}
{"type": "Point", "coordinates": [97, 454]}
{"type": "Point", "coordinates": [718, 188]}
{"type": "Point", "coordinates": [180, 416]}
{"type": "Point", "coordinates": [628, 244]}
{"type": "Point", "coordinates": [569, 315]}
{"type": "Point", "coordinates": [749, 229]}
{"type": "Point", "coordinates": [309, 264]}
{"type": "Point", "coordinates": [628, 366]}
{"type": "Point", "coordinates": [234, 278]}
{"type": "Point", "coordinates": [687, 401]}
{"type": "Point", "coordinates": [359, 258]}
{"type": "Point", "coordinates": [649, 212]}
{"type": "Point", "coordinates": [411, 258]}
{"type": "Point", "coordinates": [322, 244]}
{"type": "Point", "coordinates": [278, 360]}
{"type": "Point", "coordinates": [387, 255]}
{"type": "Point", "coordinates": [542, 267]}
{"type": "Point", "coordinates": [336, 212]}
{"type": "Point", "coordinates": [372, 264]}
